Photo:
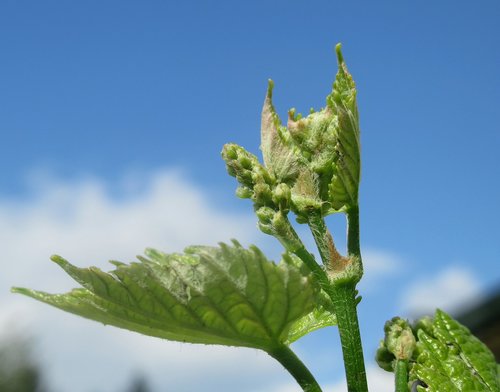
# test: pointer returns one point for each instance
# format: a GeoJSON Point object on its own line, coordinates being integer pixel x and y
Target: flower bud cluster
{"type": "Point", "coordinates": [311, 166]}
{"type": "Point", "coordinates": [317, 156]}
{"type": "Point", "coordinates": [271, 199]}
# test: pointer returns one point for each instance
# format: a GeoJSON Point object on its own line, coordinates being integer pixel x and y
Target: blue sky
{"type": "Point", "coordinates": [110, 106]}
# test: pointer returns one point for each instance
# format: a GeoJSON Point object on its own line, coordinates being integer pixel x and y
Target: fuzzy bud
{"type": "Point", "coordinates": [243, 192]}
{"type": "Point", "coordinates": [262, 195]}
{"type": "Point", "coordinates": [399, 338]}
{"type": "Point", "coordinates": [282, 196]}
{"type": "Point", "coordinates": [265, 216]}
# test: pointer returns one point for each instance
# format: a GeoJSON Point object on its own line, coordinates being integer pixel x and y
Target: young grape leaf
{"type": "Point", "coordinates": [343, 189]}
{"type": "Point", "coordinates": [450, 358]}
{"type": "Point", "coordinates": [213, 295]}
{"type": "Point", "coordinates": [320, 317]}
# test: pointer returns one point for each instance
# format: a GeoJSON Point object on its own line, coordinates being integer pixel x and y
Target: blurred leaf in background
{"type": "Point", "coordinates": [19, 370]}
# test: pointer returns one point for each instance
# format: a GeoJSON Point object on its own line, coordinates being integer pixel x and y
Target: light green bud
{"type": "Point", "coordinates": [262, 195]}
{"type": "Point", "coordinates": [399, 338]}
{"type": "Point", "coordinates": [282, 196]}
{"type": "Point", "coordinates": [243, 192]}
{"type": "Point", "coordinates": [385, 359]}
{"type": "Point", "coordinates": [243, 165]}
{"type": "Point", "coordinates": [265, 216]}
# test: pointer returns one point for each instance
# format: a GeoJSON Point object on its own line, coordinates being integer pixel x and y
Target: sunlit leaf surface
{"type": "Point", "coordinates": [213, 295]}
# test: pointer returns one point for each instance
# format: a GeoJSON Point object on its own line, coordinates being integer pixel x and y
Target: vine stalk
{"type": "Point", "coordinates": [284, 355]}
{"type": "Point", "coordinates": [344, 276]}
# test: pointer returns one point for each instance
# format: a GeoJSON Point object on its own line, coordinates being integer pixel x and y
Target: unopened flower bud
{"type": "Point", "coordinates": [265, 216]}
{"type": "Point", "coordinates": [282, 196]}
{"type": "Point", "coordinates": [399, 338]}
{"type": "Point", "coordinates": [244, 192]}
{"type": "Point", "coordinates": [240, 164]}
{"type": "Point", "coordinates": [262, 194]}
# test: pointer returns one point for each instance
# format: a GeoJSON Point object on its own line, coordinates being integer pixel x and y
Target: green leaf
{"type": "Point", "coordinates": [279, 158]}
{"type": "Point", "coordinates": [450, 358]}
{"type": "Point", "coordinates": [213, 295]}
{"type": "Point", "coordinates": [320, 317]}
{"type": "Point", "coordinates": [343, 189]}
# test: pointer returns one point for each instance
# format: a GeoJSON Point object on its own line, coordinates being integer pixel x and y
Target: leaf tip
{"type": "Point", "coordinates": [18, 290]}
{"type": "Point", "coordinates": [338, 51]}
{"type": "Point", "coordinates": [270, 87]}
{"type": "Point", "coordinates": [116, 263]}
{"type": "Point", "coordinates": [62, 262]}
{"type": "Point", "coordinates": [154, 254]}
{"type": "Point", "coordinates": [235, 243]}
{"type": "Point", "coordinates": [23, 291]}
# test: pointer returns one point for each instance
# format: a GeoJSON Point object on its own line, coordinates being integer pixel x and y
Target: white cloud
{"type": "Point", "coordinates": [379, 262]}
{"type": "Point", "coordinates": [378, 265]}
{"type": "Point", "coordinates": [378, 381]}
{"type": "Point", "coordinates": [452, 288]}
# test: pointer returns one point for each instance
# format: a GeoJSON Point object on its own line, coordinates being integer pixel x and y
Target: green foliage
{"type": "Point", "coordinates": [450, 358]}
{"type": "Point", "coordinates": [447, 357]}
{"type": "Point", "coordinates": [212, 295]}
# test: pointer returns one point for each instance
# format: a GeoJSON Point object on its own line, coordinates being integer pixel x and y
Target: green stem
{"type": "Point", "coordinates": [291, 241]}
{"type": "Point", "coordinates": [402, 375]}
{"type": "Point", "coordinates": [285, 356]}
{"type": "Point", "coordinates": [324, 241]}
{"type": "Point", "coordinates": [353, 247]}
{"type": "Point", "coordinates": [345, 273]}
{"type": "Point", "coordinates": [344, 302]}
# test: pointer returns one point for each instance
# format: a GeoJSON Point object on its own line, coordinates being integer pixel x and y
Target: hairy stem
{"type": "Point", "coordinates": [401, 375]}
{"type": "Point", "coordinates": [285, 356]}
{"type": "Point", "coordinates": [331, 258]}
{"type": "Point", "coordinates": [344, 302]}
{"type": "Point", "coordinates": [343, 294]}
{"type": "Point", "coordinates": [353, 247]}
{"type": "Point", "coordinates": [293, 244]}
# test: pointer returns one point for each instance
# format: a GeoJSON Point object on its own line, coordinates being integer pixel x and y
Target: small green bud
{"type": "Point", "coordinates": [242, 165]}
{"type": "Point", "coordinates": [282, 196]}
{"type": "Point", "coordinates": [281, 225]}
{"type": "Point", "coordinates": [265, 216]}
{"type": "Point", "coordinates": [276, 223]}
{"type": "Point", "coordinates": [245, 162]}
{"type": "Point", "coordinates": [385, 359]}
{"type": "Point", "coordinates": [229, 152]}
{"type": "Point", "coordinates": [262, 195]}
{"type": "Point", "coordinates": [399, 338]}
{"type": "Point", "coordinates": [243, 192]}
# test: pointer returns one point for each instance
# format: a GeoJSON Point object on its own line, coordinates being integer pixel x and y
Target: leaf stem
{"type": "Point", "coordinates": [401, 375]}
{"type": "Point", "coordinates": [344, 275]}
{"type": "Point", "coordinates": [284, 355]}
{"type": "Point", "coordinates": [353, 247]}
{"type": "Point", "coordinates": [293, 244]}
{"type": "Point", "coordinates": [344, 302]}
